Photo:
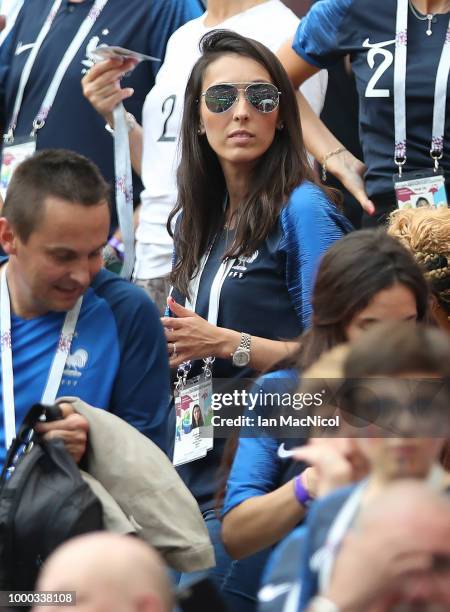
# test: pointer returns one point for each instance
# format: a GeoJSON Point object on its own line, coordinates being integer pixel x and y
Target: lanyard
{"type": "Point", "coordinates": [57, 367]}
{"type": "Point", "coordinates": [440, 93]}
{"type": "Point", "coordinates": [216, 286]}
{"type": "Point", "coordinates": [124, 188]}
{"type": "Point", "coordinates": [336, 534]}
{"type": "Point", "coordinates": [70, 53]}
{"type": "Point", "coordinates": [213, 309]}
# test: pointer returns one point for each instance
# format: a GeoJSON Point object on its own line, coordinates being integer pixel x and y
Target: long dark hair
{"type": "Point", "coordinates": [201, 183]}
{"type": "Point", "coordinates": [351, 273]}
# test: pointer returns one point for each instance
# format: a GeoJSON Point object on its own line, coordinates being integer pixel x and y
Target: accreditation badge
{"type": "Point", "coordinates": [420, 189]}
{"type": "Point", "coordinates": [13, 155]}
{"type": "Point", "coordinates": [194, 435]}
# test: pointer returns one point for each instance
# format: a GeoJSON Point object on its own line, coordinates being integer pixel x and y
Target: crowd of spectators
{"type": "Point", "coordinates": [262, 410]}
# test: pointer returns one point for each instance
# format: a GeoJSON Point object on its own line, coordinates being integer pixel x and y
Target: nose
{"type": "Point", "coordinates": [81, 273]}
{"type": "Point", "coordinates": [405, 423]}
{"type": "Point", "coordinates": [241, 106]}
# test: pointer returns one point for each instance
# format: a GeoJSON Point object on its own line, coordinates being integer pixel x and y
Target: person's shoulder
{"type": "Point", "coordinates": [330, 504]}
{"type": "Point", "coordinates": [317, 39]}
{"type": "Point", "coordinates": [309, 204]}
{"type": "Point", "coordinates": [290, 373]}
{"type": "Point", "coordinates": [122, 296]}
{"type": "Point", "coordinates": [328, 9]}
{"type": "Point", "coordinates": [285, 376]}
{"type": "Point", "coordinates": [307, 199]}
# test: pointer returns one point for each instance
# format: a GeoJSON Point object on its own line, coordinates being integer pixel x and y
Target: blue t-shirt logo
{"type": "Point", "coordinates": [239, 269]}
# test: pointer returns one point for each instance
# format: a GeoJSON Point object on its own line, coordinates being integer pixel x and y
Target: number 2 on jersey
{"type": "Point", "coordinates": [167, 105]}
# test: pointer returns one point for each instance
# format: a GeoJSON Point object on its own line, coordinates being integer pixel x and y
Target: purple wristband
{"type": "Point", "coordinates": [301, 493]}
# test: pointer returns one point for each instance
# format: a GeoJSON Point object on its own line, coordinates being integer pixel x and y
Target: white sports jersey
{"type": "Point", "coordinates": [271, 23]}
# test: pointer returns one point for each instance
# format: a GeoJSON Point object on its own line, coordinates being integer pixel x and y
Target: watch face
{"type": "Point", "coordinates": [241, 358]}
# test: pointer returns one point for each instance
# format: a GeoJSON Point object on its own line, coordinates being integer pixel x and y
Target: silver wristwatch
{"type": "Point", "coordinates": [241, 355]}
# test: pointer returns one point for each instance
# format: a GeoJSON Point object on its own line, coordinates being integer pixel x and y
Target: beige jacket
{"type": "Point", "coordinates": [141, 492]}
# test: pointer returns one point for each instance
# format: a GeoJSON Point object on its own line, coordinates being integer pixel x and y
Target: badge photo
{"type": "Point", "coordinates": [420, 190]}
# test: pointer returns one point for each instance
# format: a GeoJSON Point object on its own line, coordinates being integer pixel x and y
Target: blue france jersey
{"type": "Point", "coordinates": [117, 361]}
{"type": "Point", "coordinates": [365, 29]}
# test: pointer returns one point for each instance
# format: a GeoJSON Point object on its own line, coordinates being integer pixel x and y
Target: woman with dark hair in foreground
{"type": "Point", "coordinates": [252, 228]}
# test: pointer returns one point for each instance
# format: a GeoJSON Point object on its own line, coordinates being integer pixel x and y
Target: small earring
{"type": "Point", "coordinates": [280, 126]}
{"type": "Point", "coordinates": [200, 130]}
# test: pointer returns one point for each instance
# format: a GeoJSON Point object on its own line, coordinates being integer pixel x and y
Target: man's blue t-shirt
{"type": "Point", "coordinates": [141, 25]}
{"type": "Point", "coordinates": [117, 361]}
{"type": "Point", "coordinates": [365, 29]}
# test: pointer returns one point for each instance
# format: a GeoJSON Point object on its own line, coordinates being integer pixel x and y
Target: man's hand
{"type": "Point", "coordinates": [101, 85]}
{"type": "Point", "coordinates": [335, 463]}
{"type": "Point", "coordinates": [72, 428]}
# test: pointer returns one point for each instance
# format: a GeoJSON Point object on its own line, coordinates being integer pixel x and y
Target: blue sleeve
{"type": "Point", "coordinates": [168, 16]}
{"type": "Point", "coordinates": [317, 37]}
{"type": "Point", "coordinates": [256, 467]}
{"type": "Point", "coordinates": [254, 471]}
{"type": "Point", "coordinates": [311, 224]}
{"type": "Point", "coordinates": [141, 391]}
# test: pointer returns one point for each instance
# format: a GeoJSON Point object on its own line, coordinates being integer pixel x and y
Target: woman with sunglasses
{"type": "Point", "coordinates": [154, 146]}
{"type": "Point", "coordinates": [252, 227]}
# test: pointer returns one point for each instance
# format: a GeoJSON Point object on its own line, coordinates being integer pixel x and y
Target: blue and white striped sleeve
{"type": "Point", "coordinates": [318, 35]}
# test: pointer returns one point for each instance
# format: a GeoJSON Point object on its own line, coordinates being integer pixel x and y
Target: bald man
{"type": "Point", "coordinates": [109, 573]}
{"type": "Point", "coordinates": [396, 558]}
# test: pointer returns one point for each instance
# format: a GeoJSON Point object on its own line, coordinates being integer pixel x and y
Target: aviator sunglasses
{"type": "Point", "coordinates": [265, 97]}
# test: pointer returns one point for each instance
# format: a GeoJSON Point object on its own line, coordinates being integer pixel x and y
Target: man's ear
{"type": "Point", "coordinates": [8, 239]}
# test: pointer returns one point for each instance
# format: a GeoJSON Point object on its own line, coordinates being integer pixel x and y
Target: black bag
{"type": "Point", "coordinates": [43, 502]}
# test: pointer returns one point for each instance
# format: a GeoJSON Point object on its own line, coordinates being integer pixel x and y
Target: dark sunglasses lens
{"type": "Point", "coordinates": [220, 98]}
{"type": "Point", "coordinates": [263, 96]}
